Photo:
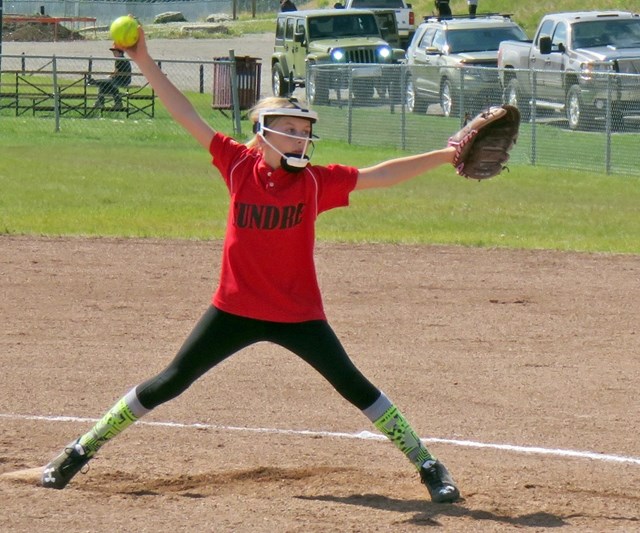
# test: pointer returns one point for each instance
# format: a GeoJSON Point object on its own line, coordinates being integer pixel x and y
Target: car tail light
{"type": "Point", "coordinates": [412, 18]}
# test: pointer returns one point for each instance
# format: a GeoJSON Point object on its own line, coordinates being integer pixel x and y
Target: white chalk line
{"type": "Point", "coordinates": [362, 435]}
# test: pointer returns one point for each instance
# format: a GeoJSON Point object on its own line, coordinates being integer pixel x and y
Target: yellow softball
{"type": "Point", "coordinates": [124, 31]}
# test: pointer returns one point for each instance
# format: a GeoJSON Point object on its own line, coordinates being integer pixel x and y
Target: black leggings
{"type": "Point", "coordinates": [108, 88]}
{"type": "Point", "coordinates": [218, 335]}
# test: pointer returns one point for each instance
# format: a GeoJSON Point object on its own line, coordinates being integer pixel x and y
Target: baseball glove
{"type": "Point", "coordinates": [483, 145]}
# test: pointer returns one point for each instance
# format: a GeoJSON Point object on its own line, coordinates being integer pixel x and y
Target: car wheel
{"type": "Point", "coordinates": [279, 84]}
{"type": "Point", "coordinates": [513, 96]}
{"type": "Point", "coordinates": [395, 86]}
{"type": "Point", "coordinates": [617, 118]}
{"type": "Point", "coordinates": [317, 88]}
{"type": "Point", "coordinates": [415, 104]}
{"type": "Point", "coordinates": [448, 101]}
{"type": "Point", "coordinates": [578, 115]}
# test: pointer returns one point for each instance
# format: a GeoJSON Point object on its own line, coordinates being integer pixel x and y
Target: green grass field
{"type": "Point", "coordinates": [527, 14]}
{"type": "Point", "coordinates": [155, 181]}
{"type": "Point", "coordinates": [149, 179]}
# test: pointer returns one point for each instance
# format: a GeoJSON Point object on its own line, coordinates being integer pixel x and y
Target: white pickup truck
{"type": "Point", "coordinates": [405, 16]}
{"type": "Point", "coordinates": [575, 64]}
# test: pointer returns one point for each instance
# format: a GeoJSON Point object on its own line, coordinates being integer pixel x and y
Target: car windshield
{"type": "Point", "coordinates": [624, 33]}
{"type": "Point", "coordinates": [387, 23]}
{"type": "Point", "coordinates": [343, 26]}
{"type": "Point", "coordinates": [481, 39]}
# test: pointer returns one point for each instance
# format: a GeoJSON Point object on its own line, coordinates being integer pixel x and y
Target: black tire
{"type": "Point", "coordinates": [395, 86]}
{"type": "Point", "coordinates": [617, 118]}
{"type": "Point", "coordinates": [317, 89]}
{"type": "Point", "coordinates": [415, 104]}
{"type": "Point", "coordinates": [279, 84]}
{"type": "Point", "coordinates": [513, 96]}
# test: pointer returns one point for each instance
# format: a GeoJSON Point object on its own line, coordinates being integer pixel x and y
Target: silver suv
{"type": "Point", "coordinates": [445, 59]}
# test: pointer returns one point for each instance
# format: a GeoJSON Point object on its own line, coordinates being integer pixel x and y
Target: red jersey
{"type": "Point", "coordinates": [268, 270]}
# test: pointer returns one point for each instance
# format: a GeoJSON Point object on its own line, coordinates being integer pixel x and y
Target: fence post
{"type": "Point", "coordinates": [607, 122]}
{"type": "Point", "coordinates": [349, 105]}
{"type": "Point", "coordinates": [56, 93]}
{"type": "Point", "coordinates": [533, 115]}
{"type": "Point", "coordinates": [201, 78]}
{"type": "Point", "coordinates": [403, 112]}
{"type": "Point", "coordinates": [461, 111]}
{"type": "Point", "coordinates": [237, 128]}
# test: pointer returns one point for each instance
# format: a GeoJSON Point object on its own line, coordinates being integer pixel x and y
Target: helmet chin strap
{"type": "Point", "coordinates": [290, 162]}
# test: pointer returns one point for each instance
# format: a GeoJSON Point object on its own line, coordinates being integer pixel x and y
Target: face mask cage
{"type": "Point", "coordinates": [289, 162]}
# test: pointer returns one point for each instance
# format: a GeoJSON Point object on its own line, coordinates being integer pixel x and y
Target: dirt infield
{"type": "Point", "coordinates": [478, 347]}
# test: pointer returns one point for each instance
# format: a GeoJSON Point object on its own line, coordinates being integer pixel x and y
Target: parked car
{"type": "Point", "coordinates": [330, 37]}
{"type": "Point", "coordinates": [446, 57]}
{"type": "Point", "coordinates": [404, 15]}
{"type": "Point", "coordinates": [571, 55]}
{"type": "Point", "coordinates": [388, 24]}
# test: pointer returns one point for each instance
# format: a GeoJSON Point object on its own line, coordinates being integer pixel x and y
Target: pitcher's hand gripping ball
{"type": "Point", "coordinates": [483, 145]}
{"type": "Point", "coordinates": [124, 31]}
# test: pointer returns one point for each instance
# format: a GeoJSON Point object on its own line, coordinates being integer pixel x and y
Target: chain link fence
{"type": "Point", "coordinates": [414, 109]}
{"type": "Point", "coordinates": [357, 105]}
{"type": "Point", "coordinates": [63, 92]}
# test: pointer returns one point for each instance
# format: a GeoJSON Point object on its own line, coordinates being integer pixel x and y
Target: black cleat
{"type": "Point", "coordinates": [59, 472]}
{"type": "Point", "coordinates": [439, 482]}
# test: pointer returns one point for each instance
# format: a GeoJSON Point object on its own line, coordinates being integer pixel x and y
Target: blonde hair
{"type": "Point", "coordinates": [270, 102]}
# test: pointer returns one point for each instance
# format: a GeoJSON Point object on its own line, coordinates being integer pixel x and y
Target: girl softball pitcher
{"type": "Point", "coordinates": [268, 290]}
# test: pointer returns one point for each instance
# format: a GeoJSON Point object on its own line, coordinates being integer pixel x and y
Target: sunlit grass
{"type": "Point", "coordinates": [150, 179]}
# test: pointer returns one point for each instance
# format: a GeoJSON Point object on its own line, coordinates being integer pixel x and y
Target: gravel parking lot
{"type": "Point", "coordinates": [253, 45]}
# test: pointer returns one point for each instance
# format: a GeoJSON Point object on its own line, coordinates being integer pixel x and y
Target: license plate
{"type": "Point", "coordinates": [367, 72]}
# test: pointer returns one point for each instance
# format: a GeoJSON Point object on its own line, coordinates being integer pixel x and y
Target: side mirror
{"type": "Point", "coordinates": [298, 37]}
{"type": "Point", "coordinates": [545, 44]}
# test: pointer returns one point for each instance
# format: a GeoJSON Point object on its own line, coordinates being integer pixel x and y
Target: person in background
{"type": "Point", "coordinates": [287, 5]}
{"type": "Point", "coordinates": [473, 8]}
{"type": "Point", "coordinates": [443, 8]}
{"type": "Point", "coordinates": [120, 77]}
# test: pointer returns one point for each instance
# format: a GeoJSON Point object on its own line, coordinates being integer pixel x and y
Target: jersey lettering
{"type": "Point", "coordinates": [252, 216]}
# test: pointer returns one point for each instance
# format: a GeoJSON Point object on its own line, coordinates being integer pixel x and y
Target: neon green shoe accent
{"type": "Point", "coordinates": [114, 422]}
{"type": "Point", "coordinates": [394, 425]}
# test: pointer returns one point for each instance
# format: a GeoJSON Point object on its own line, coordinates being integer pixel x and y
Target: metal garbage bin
{"type": "Point", "coordinates": [248, 71]}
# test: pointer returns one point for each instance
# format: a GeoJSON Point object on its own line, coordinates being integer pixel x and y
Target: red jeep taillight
{"type": "Point", "coordinates": [412, 18]}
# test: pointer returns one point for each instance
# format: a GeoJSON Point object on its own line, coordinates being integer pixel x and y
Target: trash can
{"type": "Point", "coordinates": [248, 70]}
